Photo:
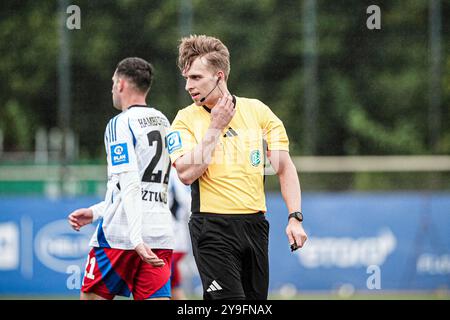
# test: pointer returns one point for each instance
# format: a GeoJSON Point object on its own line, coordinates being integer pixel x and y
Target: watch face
{"type": "Point", "coordinates": [297, 215]}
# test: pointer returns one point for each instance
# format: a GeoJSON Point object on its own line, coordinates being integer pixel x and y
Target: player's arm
{"type": "Point", "coordinates": [194, 163]}
{"type": "Point", "coordinates": [287, 173]}
{"type": "Point", "coordinates": [123, 163]}
{"type": "Point", "coordinates": [130, 183]}
{"type": "Point", "coordinates": [84, 216]}
{"type": "Point", "coordinates": [290, 189]}
{"type": "Point", "coordinates": [278, 154]}
{"type": "Point", "coordinates": [131, 190]}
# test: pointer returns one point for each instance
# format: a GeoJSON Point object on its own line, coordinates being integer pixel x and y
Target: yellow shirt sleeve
{"type": "Point", "coordinates": [273, 130]}
{"type": "Point", "coordinates": [181, 139]}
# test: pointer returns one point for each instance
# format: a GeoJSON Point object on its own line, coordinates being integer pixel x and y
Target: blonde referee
{"type": "Point", "coordinates": [217, 145]}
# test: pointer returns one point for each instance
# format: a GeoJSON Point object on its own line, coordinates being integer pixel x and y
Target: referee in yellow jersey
{"type": "Point", "coordinates": [217, 145]}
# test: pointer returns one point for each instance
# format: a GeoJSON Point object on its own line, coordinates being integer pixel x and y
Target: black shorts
{"type": "Point", "coordinates": [231, 253]}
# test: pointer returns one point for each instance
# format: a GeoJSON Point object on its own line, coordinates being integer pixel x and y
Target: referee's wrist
{"type": "Point", "coordinates": [296, 215]}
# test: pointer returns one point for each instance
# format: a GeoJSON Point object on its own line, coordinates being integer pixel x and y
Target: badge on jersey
{"type": "Point", "coordinates": [119, 154]}
{"type": "Point", "coordinates": [173, 141]}
{"type": "Point", "coordinates": [255, 158]}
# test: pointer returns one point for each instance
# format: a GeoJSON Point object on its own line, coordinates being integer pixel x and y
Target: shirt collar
{"type": "Point", "coordinates": [138, 105]}
{"type": "Point", "coordinates": [209, 110]}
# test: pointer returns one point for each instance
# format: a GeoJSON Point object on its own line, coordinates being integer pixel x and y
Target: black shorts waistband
{"type": "Point", "coordinates": [256, 215]}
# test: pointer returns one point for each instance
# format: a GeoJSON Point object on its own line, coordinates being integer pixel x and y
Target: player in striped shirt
{"type": "Point", "coordinates": [132, 245]}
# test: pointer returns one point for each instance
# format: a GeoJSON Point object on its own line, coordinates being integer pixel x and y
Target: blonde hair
{"type": "Point", "coordinates": [212, 49]}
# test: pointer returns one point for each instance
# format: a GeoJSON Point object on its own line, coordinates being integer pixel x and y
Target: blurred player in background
{"type": "Point", "coordinates": [180, 206]}
{"type": "Point", "coordinates": [216, 145]}
{"type": "Point", "coordinates": [132, 246]}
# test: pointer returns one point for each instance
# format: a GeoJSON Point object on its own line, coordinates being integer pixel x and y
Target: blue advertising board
{"type": "Point", "coordinates": [40, 252]}
{"type": "Point", "coordinates": [384, 241]}
{"type": "Point", "coordinates": [389, 241]}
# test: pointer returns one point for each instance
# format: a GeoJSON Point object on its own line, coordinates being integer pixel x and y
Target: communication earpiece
{"type": "Point", "coordinates": [217, 83]}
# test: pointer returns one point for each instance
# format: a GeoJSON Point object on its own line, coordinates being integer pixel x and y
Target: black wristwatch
{"type": "Point", "coordinates": [297, 215]}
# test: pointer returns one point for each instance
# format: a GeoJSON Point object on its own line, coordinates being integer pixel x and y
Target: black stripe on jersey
{"type": "Point", "coordinates": [110, 132]}
{"type": "Point", "coordinates": [114, 128]}
{"type": "Point", "coordinates": [195, 195]}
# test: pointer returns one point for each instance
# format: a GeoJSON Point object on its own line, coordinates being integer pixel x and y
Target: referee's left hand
{"type": "Point", "coordinates": [295, 232]}
{"type": "Point", "coordinates": [222, 112]}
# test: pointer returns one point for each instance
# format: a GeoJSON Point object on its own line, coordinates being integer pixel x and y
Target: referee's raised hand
{"type": "Point", "coordinates": [222, 112]}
